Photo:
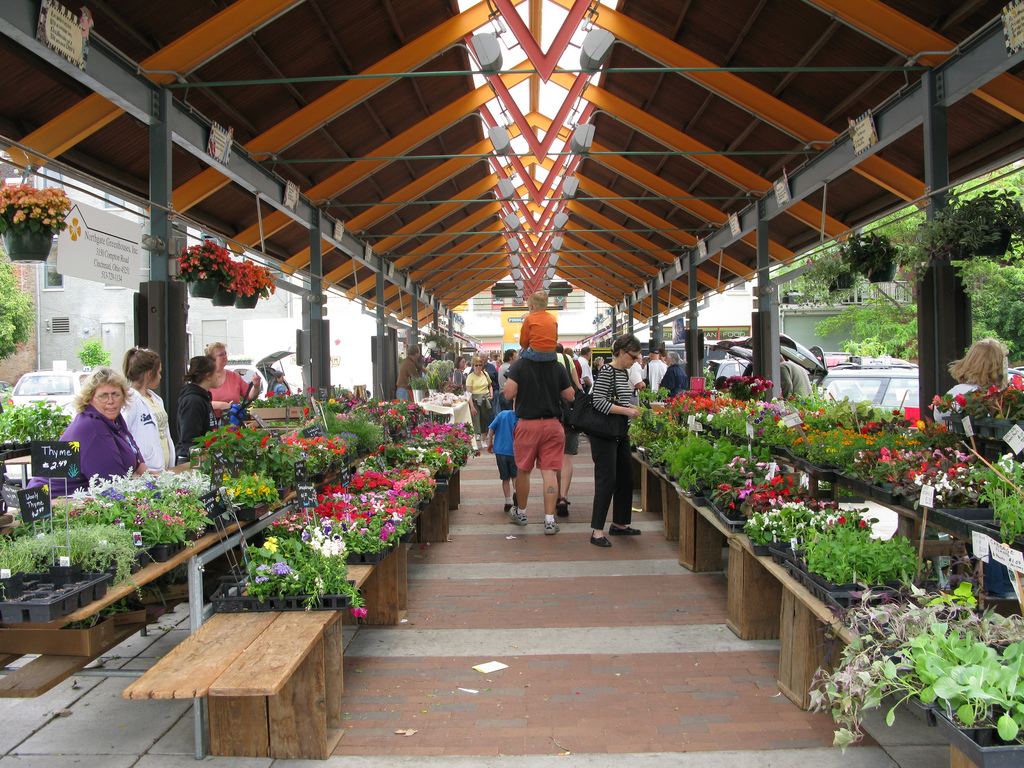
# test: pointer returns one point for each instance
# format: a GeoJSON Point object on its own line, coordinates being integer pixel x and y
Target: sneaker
{"type": "Point", "coordinates": [550, 529]}
{"type": "Point", "coordinates": [516, 517]}
{"type": "Point", "coordinates": [562, 507]}
{"type": "Point", "coordinates": [508, 508]}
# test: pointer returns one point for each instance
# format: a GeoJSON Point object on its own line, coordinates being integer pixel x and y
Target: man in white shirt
{"type": "Point", "coordinates": [656, 368]}
{"type": "Point", "coordinates": [636, 379]}
{"type": "Point", "coordinates": [587, 377]}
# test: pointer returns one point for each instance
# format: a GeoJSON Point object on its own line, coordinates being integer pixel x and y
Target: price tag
{"type": "Point", "coordinates": [34, 503]}
{"type": "Point", "coordinates": [64, 561]}
{"type": "Point", "coordinates": [322, 393]}
{"type": "Point", "coordinates": [981, 544]}
{"type": "Point", "coordinates": [927, 496]}
{"type": "Point", "coordinates": [792, 420]}
{"type": "Point", "coordinates": [690, 421]}
{"type": "Point", "coordinates": [300, 470]}
{"type": "Point", "coordinates": [212, 504]}
{"type": "Point", "coordinates": [750, 430]}
{"type": "Point", "coordinates": [56, 458]}
{"type": "Point", "coordinates": [306, 491]}
{"type": "Point", "coordinates": [793, 544]}
{"type": "Point", "coordinates": [968, 427]}
{"type": "Point", "coordinates": [344, 476]}
{"type": "Point", "coordinates": [9, 493]}
{"type": "Point", "coordinates": [773, 468]}
{"type": "Point", "coordinates": [1015, 438]}
{"type": "Point", "coordinates": [1011, 558]}
{"type": "Point", "coordinates": [5, 573]}
{"type": "Point", "coordinates": [314, 431]}
{"type": "Point", "coordinates": [698, 426]}
{"type": "Point", "coordinates": [137, 538]}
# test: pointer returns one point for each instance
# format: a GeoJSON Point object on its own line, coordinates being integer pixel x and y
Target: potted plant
{"type": "Point", "coordinates": [252, 283]}
{"type": "Point", "coordinates": [208, 269]}
{"type": "Point", "coordinates": [436, 340]}
{"type": "Point", "coordinates": [29, 218]}
{"type": "Point", "coordinates": [438, 374]}
{"type": "Point", "coordinates": [980, 225]}
{"type": "Point", "coordinates": [873, 255]}
{"type": "Point", "coordinates": [419, 387]}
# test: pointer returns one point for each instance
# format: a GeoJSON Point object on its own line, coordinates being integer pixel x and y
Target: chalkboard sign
{"type": "Point", "coordinates": [34, 503]}
{"type": "Point", "coordinates": [301, 473]}
{"type": "Point", "coordinates": [322, 393]}
{"type": "Point", "coordinates": [344, 475]}
{"type": "Point", "coordinates": [306, 491]}
{"type": "Point", "coordinates": [212, 503]}
{"type": "Point", "coordinates": [314, 430]}
{"type": "Point", "coordinates": [10, 496]}
{"type": "Point", "coordinates": [56, 458]}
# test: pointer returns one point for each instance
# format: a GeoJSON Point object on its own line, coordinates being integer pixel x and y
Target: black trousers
{"type": "Point", "coordinates": [613, 482]}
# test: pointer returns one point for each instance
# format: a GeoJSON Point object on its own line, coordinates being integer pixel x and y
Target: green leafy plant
{"type": "Point", "coordinates": [39, 420]}
{"type": "Point", "coordinates": [419, 383]}
{"type": "Point", "coordinates": [971, 223]}
{"type": "Point", "coordinates": [870, 253]}
{"type": "Point", "coordinates": [1001, 486]}
{"type": "Point", "coordinates": [846, 554]}
{"type": "Point", "coordinates": [252, 490]}
{"type": "Point", "coordinates": [92, 354]}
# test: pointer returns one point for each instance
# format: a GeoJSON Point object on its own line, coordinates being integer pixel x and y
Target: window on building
{"type": "Point", "coordinates": [54, 280]}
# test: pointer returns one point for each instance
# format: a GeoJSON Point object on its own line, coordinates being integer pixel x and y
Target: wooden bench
{"type": "Point", "coordinates": [273, 682]}
{"type": "Point", "coordinates": [384, 587]}
{"type": "Point", "coordinates": [701, 538]}
{"type": "Point", "coordinates": [432, 523]}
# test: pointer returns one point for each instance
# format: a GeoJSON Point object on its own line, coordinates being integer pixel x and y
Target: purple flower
{"type": "Point", "coordinates": [262, 568]}
{"type": "Point", "coordinates": [281, 569]}
{"type": "Point", "coordinates": [305, 535]}
{"type": "Point", "coordinates": [262, 579]}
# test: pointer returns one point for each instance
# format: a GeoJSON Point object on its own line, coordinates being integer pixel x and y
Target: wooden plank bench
{"type": "Point", "coordinates": [273, 682]}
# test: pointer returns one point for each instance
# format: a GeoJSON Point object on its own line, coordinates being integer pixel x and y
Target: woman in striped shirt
{"type": "Point", "coordinates": [613, 461]}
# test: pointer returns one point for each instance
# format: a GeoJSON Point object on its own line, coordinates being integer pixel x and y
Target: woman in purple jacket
{"type": "Point", "coordinates": [107, 448]}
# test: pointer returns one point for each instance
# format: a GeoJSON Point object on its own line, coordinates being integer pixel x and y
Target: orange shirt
{"type": "Point", "coordinates": [540, 331]}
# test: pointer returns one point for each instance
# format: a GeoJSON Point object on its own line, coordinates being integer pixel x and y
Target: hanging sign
{"type": "Point", "coordinates": [1013, 26]}
{"type": "Point", "coordinates": [339, 230]}
{"type": "Point", "coordinates": [64, 33]}
{"type": "Point", "coordinates": [291, 195]}
{"type": "Point", "coordinates": [782, 195]}
{"type": "Point", "coordinates": [734, 224]}
{"type": "Point", "coordinates": [56, 458]}
{"type": "Point", "coordinates": [702, 248]}
{"type": "Point", "coordinates": [863, 133]}
{"type": "Point", "coordinates": [219, 145]}
{"type": "Point", "coordinates": [101, 247]}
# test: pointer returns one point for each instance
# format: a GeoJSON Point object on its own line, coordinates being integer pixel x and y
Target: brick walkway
{"type": "Point", "coordinates": [608, 650]}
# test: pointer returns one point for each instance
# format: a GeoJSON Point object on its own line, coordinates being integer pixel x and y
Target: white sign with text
{"type": "Point", "coordinates": [101, 247]}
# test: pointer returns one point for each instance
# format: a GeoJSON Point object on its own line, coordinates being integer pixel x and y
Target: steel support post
{"type": "Point", "coordinates": [765, 319]}
{"type": "Point", "coordinates": [320, 367]}
{"type": "Point", "coordinates": [614, 321]}
{"type": "Point", "coordinates": [414, 308]}
{"type": "Point", "coordinates": [630, 318]}
{"type": "Point", "coordinates": [379, 343]}
{"type": "Point", "coordinates": [943, 307]}
{"type": "Point", "coordinates": [694, 338]}
{"type": "Point", "coordinates": [655, 323]}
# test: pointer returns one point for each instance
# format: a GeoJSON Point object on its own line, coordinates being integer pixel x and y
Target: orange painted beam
{"type": "Point", "coordinates": [881, 21]}
{"type": "Point", "coordinates": [611, 248]}
{"type": "Point", "coordinates": [339, 100]}
{"type": "Point", "coordinates": [766, 107]}
{"type": "Point", "coordinates": [189, 51]}
{"type": "Point", "coordinates": [356, 172]}
{"type": "Point", "coordinates": [476, 242]}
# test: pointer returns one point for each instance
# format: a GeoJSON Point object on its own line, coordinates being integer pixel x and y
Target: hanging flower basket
{"type": "Point", "coordinates": [883, 274]}
{"type": "Point", "coordinates": [203, 289]}
{"type": "Point", "coordinates": [25, 246]}
{"type": "Point", "coordinates": [29, 218]}
{"type": "Point", "coordinates": [224, 297]}
{"type": "Point", "coordinates": [247, 302]}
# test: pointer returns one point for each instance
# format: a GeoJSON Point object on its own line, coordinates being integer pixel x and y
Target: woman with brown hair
{"type": "Point", "coordinates": [195, 403]}
{"type": "Point", "coordinates": [144, 410]}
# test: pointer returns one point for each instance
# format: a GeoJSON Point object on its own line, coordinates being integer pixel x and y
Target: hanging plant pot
{"type": "Point", "coordinates": [884, 274]}
{"type": "Point", "coordinates": [203, 289]}
{"type": "Point", "coordinates": [995, 247]}
{"type": "Point", "coordinates": [842, 283]}
{"type": "Point", "coordinates": [23, 245]}
{"type": "Point", "coordinates": [224, 297]}
{"type": "Point", "coordinates": [247, 302]}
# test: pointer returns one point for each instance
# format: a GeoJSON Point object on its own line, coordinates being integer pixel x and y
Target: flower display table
{"type": "Point", "coordinates": [755, 596]}
{"type": "Point", "coordinates": [701, 538]}
{"type": "Point", "coordinates": [456, 414]}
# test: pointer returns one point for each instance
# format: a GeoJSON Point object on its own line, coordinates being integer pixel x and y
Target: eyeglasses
{"type": "Point", "coordinates": [109, 397]}
{"type": "Point", "coordinates": [635, 357]}
{"type": "Point", "coordinates": [478, 365]}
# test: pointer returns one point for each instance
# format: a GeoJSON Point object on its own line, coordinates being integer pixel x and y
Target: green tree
{"type": "Point", "coordinates": [92, 354]}
{"type": "Point", "coordinates": [17, 312]}
{"type": "Point", "coordinates": [996, 306]}
{"type": "Point", "coordinates": [882, 325]}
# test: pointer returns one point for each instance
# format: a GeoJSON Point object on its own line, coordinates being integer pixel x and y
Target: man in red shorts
{"type": "Point", "coordinates": [538, 438]}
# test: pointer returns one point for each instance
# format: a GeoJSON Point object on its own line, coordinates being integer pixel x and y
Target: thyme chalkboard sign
{"type": "Point", "coordinates": [56, 458]}
{"type": "Point", "coordinates": [34, 503]}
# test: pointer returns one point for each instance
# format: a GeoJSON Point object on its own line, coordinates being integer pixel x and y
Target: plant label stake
{"type": "Point", "coordinates": [1015, 438]}
{"type": "Point", "coordinates": [772, 469]}
{"type": "Point", "coordinates": [927, 501]}
{"type": "Point", "coordinates": [968, 427]}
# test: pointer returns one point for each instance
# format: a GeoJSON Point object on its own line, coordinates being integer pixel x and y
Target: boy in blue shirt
{"type": "Point", "coordinates": [499, 442]}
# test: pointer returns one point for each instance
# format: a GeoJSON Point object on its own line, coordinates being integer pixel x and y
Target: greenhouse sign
{"type": "Point", "coordinates": [101, 247]}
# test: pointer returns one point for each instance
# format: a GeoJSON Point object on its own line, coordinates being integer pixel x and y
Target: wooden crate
{"type": "Point", "coordinates": [755, 596]}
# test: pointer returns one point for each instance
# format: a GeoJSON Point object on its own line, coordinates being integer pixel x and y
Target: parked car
{"type": "Point", "coordinates": [263, 368]}
{"type": "Point", "coordinates": [58, 387]}
{"type": "Point", "coordinates": [881, 381]}
{"type": "Point", "coordinates": [732, 357]}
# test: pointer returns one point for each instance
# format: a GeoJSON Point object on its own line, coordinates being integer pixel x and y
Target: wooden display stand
{"type": "Point", "coordinates": [671, 501]}
{"type": "Point", "coordinates": [802, 647]}
{"type": "Point", "coordinates": [650, 490]}
{"type": "Point", "coordinates": [432, 524]}
{"type": "Point", "coordinates": [274, 682]}
{"type": "Point", "coordinates": [454, 490]}
{"type": "Point", "coordinates": [755, 595]}
{"type": "Point", "coordinates": [700, 541]}
{"type": "Point", "coordinates": [382, 586]}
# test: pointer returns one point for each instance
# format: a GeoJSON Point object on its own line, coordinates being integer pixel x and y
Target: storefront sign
{"type": "Point", "coordinates": [101, 247]}
{"type": "Point", "coordinates": [64, 33]}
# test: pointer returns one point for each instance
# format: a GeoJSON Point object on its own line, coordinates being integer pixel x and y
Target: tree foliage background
{"type": "Point", "coordinates": [17, 314]}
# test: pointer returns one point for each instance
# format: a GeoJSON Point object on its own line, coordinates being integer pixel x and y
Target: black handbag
{"type": "Point", "coordinates": [587, 419]}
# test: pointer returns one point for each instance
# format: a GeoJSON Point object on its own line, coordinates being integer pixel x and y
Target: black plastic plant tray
{"type": "Point", "coordinates": [161, 553]}
{"type": "Point", "coordinates": [733, 521]}
{"type": "Point", "coordinates": [370, 558]}
{"type": "Point", "coordinates": [967, 741]}
{"type": "Point", "coordinates": [884, 494]}
{"type": "Point", "coordinates": [230, 597]}
{"type": "Point", "coordinates": [42, 602]}
{"type": "Point", "coordinates": [764, 550]}
{"type": "Point", "coordinates": [923, 712]}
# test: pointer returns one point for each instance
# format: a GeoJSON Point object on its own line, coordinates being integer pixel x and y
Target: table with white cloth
{"type": "Point", "coordinates": [456, 414]}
